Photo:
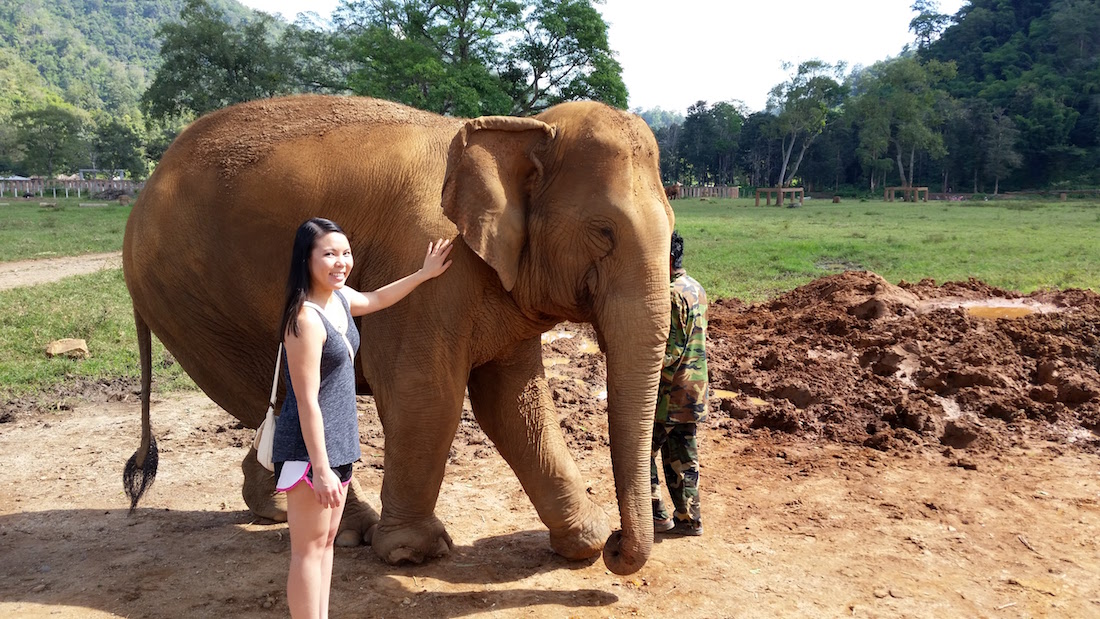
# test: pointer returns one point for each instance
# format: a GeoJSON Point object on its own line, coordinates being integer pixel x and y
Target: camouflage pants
{"type": "Point", "coordinates": [675, 442]}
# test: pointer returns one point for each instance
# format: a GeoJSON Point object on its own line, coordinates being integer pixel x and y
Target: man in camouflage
{"type": "Point", "coordinates": [681, 403]}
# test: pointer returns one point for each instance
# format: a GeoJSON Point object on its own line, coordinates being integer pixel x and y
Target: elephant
{"type": "Point", "coordinates": [556, 217]}
{"type": "Point", "coordinates": [672, 192]}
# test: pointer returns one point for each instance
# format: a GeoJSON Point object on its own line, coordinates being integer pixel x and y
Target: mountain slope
{"type": "Point", "coordinates": [93, 54]}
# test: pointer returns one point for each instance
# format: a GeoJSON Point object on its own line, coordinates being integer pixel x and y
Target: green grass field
{"type": "Point", "coordinates": [739, 250]}
{"type": "Point", "coordinates": [732, 247]}
{"type": "Point", "coordinates": [93, 307]}
{"type": "Point", "coordinates": [29, 231]}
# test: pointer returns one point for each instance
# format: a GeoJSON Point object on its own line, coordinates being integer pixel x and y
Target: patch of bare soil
{"type": "Point", "coordinates": [873, 451]}
{"type": "Point", "coordinates": [854, 359]}
{"type": "Point", "coordinates": [43, 270]}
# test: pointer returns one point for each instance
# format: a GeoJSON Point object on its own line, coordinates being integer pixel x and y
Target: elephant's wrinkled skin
{"type": "Point", "coordinates": [560, 217]}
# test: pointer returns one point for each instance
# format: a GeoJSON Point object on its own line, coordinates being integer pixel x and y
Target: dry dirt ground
{"type": "Point", "coordinates": [31, 272]}
{"type": "Point", "coordinates": [874, 450]}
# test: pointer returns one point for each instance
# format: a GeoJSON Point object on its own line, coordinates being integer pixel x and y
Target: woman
{"type": "Point", "coordinates": [317, 437]}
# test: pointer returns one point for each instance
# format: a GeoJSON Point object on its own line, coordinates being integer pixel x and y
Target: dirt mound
{"type": "Point", "coordinates": [855, 359]}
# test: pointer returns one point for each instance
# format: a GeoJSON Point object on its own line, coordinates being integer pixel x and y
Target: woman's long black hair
{"type": "Point", "coordinates": [298, 281]}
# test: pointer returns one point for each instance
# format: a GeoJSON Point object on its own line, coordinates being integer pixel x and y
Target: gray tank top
{"type": "Point", "coordinates": [336, 396]}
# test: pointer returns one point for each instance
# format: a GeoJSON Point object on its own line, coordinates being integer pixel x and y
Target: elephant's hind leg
{"type": "Point", "coordinates": [262, 500]}
{"type": "Point", "coordinates": [512, 402]}
{"type": "Point", "coordinates": [259, 490]}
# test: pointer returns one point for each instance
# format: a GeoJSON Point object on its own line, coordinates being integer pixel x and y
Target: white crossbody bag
{"type": "Point", "coordinates": [264, 442]}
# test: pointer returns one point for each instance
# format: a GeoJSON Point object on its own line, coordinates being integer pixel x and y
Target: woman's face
{"type": "Point", "coordinates": [330, 262]}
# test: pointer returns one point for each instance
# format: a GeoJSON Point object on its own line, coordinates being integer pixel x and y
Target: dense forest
{"type": "Point", "coordinates": [96, 55]}
{"type": "Point", "coordinates": [1003, 95]}
{"type": "Point", "coordinates": [77, 69]}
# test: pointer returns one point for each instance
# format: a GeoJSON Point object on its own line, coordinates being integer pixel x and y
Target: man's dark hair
{"type": "Point", "coordinates": [677, 254]}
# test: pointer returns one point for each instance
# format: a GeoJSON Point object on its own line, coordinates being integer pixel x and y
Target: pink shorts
{"type": "Point", "coordinates": [291, 473]}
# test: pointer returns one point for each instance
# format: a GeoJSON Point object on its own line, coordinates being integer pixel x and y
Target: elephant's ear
{"type": "Point", "coordinates": [492, 167]}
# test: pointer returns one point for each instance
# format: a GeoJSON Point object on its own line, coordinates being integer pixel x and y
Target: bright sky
{"type": "Point", "coordinates": [674, 53]}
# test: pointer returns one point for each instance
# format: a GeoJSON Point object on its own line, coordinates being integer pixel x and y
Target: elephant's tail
{"type": "Point", "coordinates": [141, 468]}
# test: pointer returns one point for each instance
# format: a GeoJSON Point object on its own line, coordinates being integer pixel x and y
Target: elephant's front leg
{"type": "Point", "coordinates": [262, 499]}
{"type": "Point", "coordinates": [420, 419]}
{"type": "Point", "coordinates": [512, 402]}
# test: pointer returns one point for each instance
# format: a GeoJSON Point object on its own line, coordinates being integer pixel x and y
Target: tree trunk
{"type": "Point", "coordinates": [787, 148]}
{"type": "Point", "coordinates": [901, 166]}
{"type": "Point", "coordinates": [836, 173]}
{"type": "Point", "coordinates": [801, 154]}
{"type": "Point", "coordinates": [912, 166]}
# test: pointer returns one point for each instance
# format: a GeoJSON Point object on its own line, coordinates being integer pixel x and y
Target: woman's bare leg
{"type": "Point", "coordinates": [312, 531]}
{"type": "Point", "coordinates": [326, 564]}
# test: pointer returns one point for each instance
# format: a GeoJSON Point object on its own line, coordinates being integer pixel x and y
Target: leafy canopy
{"type": "Point", "coordinates": [53, 137]}
{"type": "Point", "coordinates": [208, 64]}
{"type": "Point", "coordinates": [475, 57]}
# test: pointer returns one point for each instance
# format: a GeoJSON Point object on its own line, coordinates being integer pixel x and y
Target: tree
{"type": "Point", "coordinates": [1073, 25]}
{"type": "Point", "coordinates": [430, 55]}
{"type": "Point", "coordinates": [1001, 153]}
{"type": "Point", "coordinates": [905, 110]}
{"type": "Point", "coordinates": [208, 64]}
{"type": "Point", "coordinates": [801, 106]}
{"type": "Point", "coordinates": [1040, 62]}
{"type": "Point", "coordinates": [658, 118]}
{"type": "Point", "coordinates": [117, 145]}
{"type": "Point", "coordinates": [697, 147]}
{"type": "Point", "coordinates": [563, 56]}
{"type": "Point", "coordinates": [315, 57]}
{"type": "Point", "coordinates": [929, 22]}
{"type": "Point", "coordinates": [475, 57]}
{"type": "Point", "coordinates": [705, 147]}
{"type": "Point", "coordinates": [52, 138]}
{"type": "Point", "coordinates": [668, 142]}
{"type": "Point", "coordinates": [11, 150]}
{"type": "Point", "coordinates": [758, 153]}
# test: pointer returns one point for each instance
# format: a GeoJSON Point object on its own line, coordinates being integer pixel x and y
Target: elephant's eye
{"type": "Point", "coordinates": [601, 234]}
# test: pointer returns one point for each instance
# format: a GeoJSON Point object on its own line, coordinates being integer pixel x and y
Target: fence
{"type": "Point", "coordinates": [54, 188]}
{"type": "Point", "coordinates": [719, 191]}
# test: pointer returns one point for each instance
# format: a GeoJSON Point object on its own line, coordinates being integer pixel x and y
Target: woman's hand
{"type": "Point", "coordinates": [327, 487]}
{"type": "Point", "coordinates": [435, 262]}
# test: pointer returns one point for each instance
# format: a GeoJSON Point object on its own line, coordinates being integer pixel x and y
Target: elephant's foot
{"type": "Point", "coordinates": [411, 543]}
{"type": "Point", "coordinates": [259, 490]}
{"type": "Point", "coordinates": [585, 535]}
{"type": "Point", "coordinates": [358, 519]}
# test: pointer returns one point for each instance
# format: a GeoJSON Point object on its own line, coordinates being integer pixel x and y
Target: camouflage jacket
{"type": "Point", "coordinates": [683, 392]}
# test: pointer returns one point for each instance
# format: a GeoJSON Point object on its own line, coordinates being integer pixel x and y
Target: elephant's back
{"type": "Point", "coordinates": [234, 139]}
{"type": "Point", "coordinates": [207, 245]}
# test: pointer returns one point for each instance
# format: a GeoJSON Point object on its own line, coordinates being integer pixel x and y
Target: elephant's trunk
{"type": "Point", "coordinates": [633, 332]}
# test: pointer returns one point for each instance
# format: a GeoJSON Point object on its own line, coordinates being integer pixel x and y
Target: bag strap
{"type": "Point", "coordinates": [275, 379]}
{"type": "Point", "coordinates": [344, 336]}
